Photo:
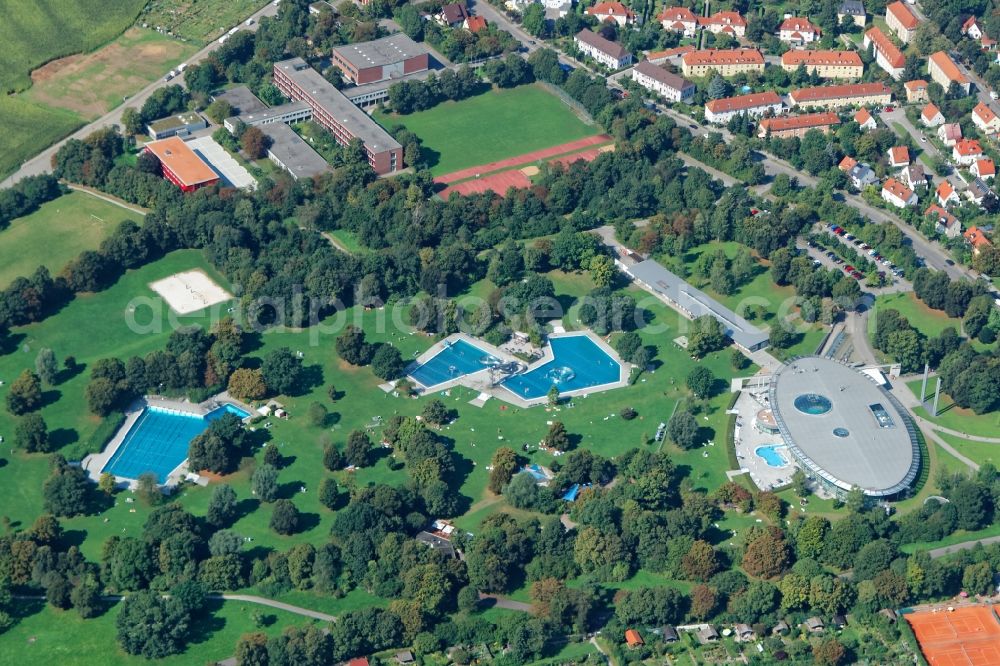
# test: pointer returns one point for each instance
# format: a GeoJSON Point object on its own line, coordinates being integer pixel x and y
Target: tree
{"type": "Point", "coordinates": [718, 88]}
{"type": "Point", "coordinates": [553, 396]}
{"type": "Point", "coordinates": [131, 121]}
{"type": "Point", "coordinates": [222, 506]}
{"type": "Point", "coordinates": [533, 20]}
{"type": "Point", "coordinates": [557, 438]}
{"type": "Point", "coordinates": [285, 517]}
{"type": "Point", "coordinates": [32, 434]}
{"type": "Point", "coordinates": [351, 346]}
{"type": "Point", "coordinates": [333, 459]}
{"type": "Point", "coordinates": [703, 602]}
{"type": "Point", "coordinates": [700, 562]}
{"type": "Point", "coordinates": [873, 558]}
{"type": "Point", "coordinates": [318, 414]}
{"type": "Point", "coordinates": [502, 468]}
{"type": "Point", "coordinates": [706, 336]}
{"type": "Point", "coordinates": [46, 366]}
{"type": "Point", "coordinates": [701, 382]}
{"type": "Point", "coordinates": [602, 270]}
{"type": "Point", "coordinates": [329, 493]}
{"type": "Point", "coordinates": [225, 542]}
{"type": "Point", "coordinates": [25, 394]}
{"type": "Point", "coordinates": [247, 384]}
{"type": "Point", "coordinates": [220, 447]}
{"type": "Point", "coordinates": [67, 490]}
{"type": "Point", "coordinates": [282, 371]}
{"type": "Point", "coordinates": [107, 483]}
{"type": "Point", "coordinates": [254, 143]}
{"type": "Point", "coordinates": [86, 597]}
{"type": "Point", "coordinates": [683, 429]}
{"type": "Point", "coordinates": [264, 483]}
{"type": "Point", "coordinates": [767, 555]}
{"type": "Point", "coordinates": [147, 489]}
{"type": "Point", "coordinates": [358, 449]}
{"type": "Point", "coordinates": [387, 362]}
{"type": "Point", "coordinates": [828, 652]}
{"type": "Point", "coordinates": [978, 578]}
{"type": "Point", "coordinates": [435, 412]}
{"type": "Point", "coordinates": [152, 626]}
{"type": "Point", "coordinates": [219, 110]}
{"type": "Point", "coordinates": [970, 500]}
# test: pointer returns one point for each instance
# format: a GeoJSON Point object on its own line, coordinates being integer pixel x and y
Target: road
{"type": "Point", "coordinates": [530, 44]}
{"type": "Point", "coordinates": [965, 545]}
{"type": "Point", "coordinates": [42, 163]}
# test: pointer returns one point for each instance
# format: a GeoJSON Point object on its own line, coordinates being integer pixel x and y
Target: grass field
{"type": "Point", "coordinates": [28, 128]}
{"type": "Point", "coordinates": [953, 417]}
{"type": "Point", "coordinates": [978, 452]}
{"type": "Point", "coordinates": [491, 126]}
{"type": "Point", "coordinates": [34, 32]}
{"type": "Point", "coordinates": [198, 20]}
{"type": "Point", "coordinates": [56, 233]}
{"type": "Point", "coordinates": [927, 321]}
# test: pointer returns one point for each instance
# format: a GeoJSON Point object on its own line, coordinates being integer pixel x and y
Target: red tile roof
{"type": "Point", "coordinates": [633, 638]}
{"type": "Point", "coordinates": [682, 14]}
{"type": "Point", "coordinates": [915, 84]}
{"type": "Point", "coordinates": [976, 237]}
{"type": "Point", "coordinates": [903, 14]}
{"type": "Point", "coordinates": [985, 167]}
{"type": "Point", "coordinates": [724, 57]}
{"type": "Point", "coordinates": [945, 190]}
{"type": "Point", "coordinates": [985, 113]}
{"type": "Point", "coordinates": [862, 116]}
{"type": "Point", "coordinates": [887, 48]}
{"type": "Point", "coordinates": [475, 23]}
{"type": "Point", "coordinates": [821, 57]}
{"type": "Point", "coordinates": [948, 67]}
{"type": "Point", "coordinates": [610, 9]}
{"type": "Point", "coordinates": [798, 24]}
{"type": "Point", "coordinates": [930, 112]}
{"type": "Point", "coordinates": [844, 90]}
{"type": "Point", "coordinates": [899, 155]}
{"type": "Point", "coordinates": [946, 218]}
{"type": "Point", "coordinates": [847, 163]}
{"type": "Point", "coordinates": [743, 102]}
{"type": "Point", "coordinates": [723, 18]}
{"type": "Point", "coordinates": [897, 189]}
{"type": "Point", "coordinates": [670, 53]}
{"type": "Point", "coordinates": [824, 119]}
{"type": "Point", "coordinates": [967, 147]}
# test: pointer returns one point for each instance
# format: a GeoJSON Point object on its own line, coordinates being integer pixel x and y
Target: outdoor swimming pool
{"type": "Point", "coordinates": [458, 359]}
{"type": "Point", "coordinates": [578, 363]}
{"type": "Point", "coordinates": [773, 455]}
{"type": "Point", "coordinates": [158, 441]}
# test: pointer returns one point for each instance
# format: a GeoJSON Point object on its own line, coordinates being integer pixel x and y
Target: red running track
{"type": "Point", "coordinates": [497, 182]}
{"type": "Point", "coordinates": [526, 158]}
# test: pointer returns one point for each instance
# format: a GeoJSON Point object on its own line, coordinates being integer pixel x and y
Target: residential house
{"type": "Point", "coordinates": [666, 84]}
{"type": "Point", "coordinates": [976, 239]}
{"type": "Point", "coordinates": [839, 620]}
{"type": "Point", "coordinates": [899, 157]}
{"type": "Point", "coordinates": [944, 222]}
{"type": "Point", "coordinates": [610, 54]}
{"type": "Point", "coordinates": [913, 175]}
{"type": "Point", "coordinates": [949, 134]}
{"type": "Point", "coordinates": [985, 119]}
{"type": "Point", "coordinates": [865, 119]}
{"type": "Point", "coordinates": [730, 23]}
{"type": "Point", "coordinates": [855, 9]}
{"type": "Point", "coordinates": [897, 194]}
{"type": "Point", "coordinates": [660, 57]}
{"type": "Point", "coordinates": [452, 15]}
{"type": "Point", "coordinates": [978, 191]}
{"type": "Point", "coordinates": [902, 21]}
{"type": "Point", "coordinates": [404, 657]}
{"type": "Point", "coordinates": [847, 94]}
{"type": "Point", "coordinates": [945, 72]}
{"type": "Point", "coordinates": [931, 116]}
{"type": "Point", "coordinates": [437, 542]}
{"type": "Point", "coordinates": [984, 168]}
{"type": "Point", "coordinates": [744, 632]}
{"type": "Point", "coordinates": [826, 64]}
{"type": "Point", "coordinates": [612, 11]}
{"type": "Point", "coordinates": [474, 24]}
{"type": "Point", "coordinates": [887, 54]}
{"type": "Point", "coordinates": [707, 634]}
{"type": "Point", "coordinates": [679, 19]}
{"type": "Point", "coordinates": [669, 634]}
{"type": "Point", "coordinates": [788, 126]}
{"type": "Point", "coordinates": [916, 90]}
{"type": "Point", "coordinates": [633, 639]}
{"type": "Point", "coordinates": [358, 661]}
{"type": "Point", "coordinates": [946, 194]}
{"type": "Point", "coordinates": [971, 28]}
{"type": "Point", "coordinates": [814, 624]}
{"type": "Point", "coordinates": [860, 175]}
{"type": "Point", "coordinates": [781, 628]}
{"type": "Point", "coordinates": [798, 30]}
{"type": "Point", "coordinates": [967, 151]}
{"type": "Point", "coordinates": [725, 62]}
{"type": "Point", "coordinates": [720, 111]}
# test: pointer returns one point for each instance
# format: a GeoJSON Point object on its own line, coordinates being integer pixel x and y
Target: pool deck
{"type": "Point", "coordinates": [95, 463]}
{"type": "Point", "coordinates": [480, 381]}
{"type": "Point", "coordinates": [748, 439]}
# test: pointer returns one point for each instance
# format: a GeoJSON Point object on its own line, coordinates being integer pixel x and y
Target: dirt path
{"type": "Point", "coordinates": [107, 197]}
{"type": "Point", "coordinates": [334, 242]}
{"type": "Point", "coordinates": [508, 604]}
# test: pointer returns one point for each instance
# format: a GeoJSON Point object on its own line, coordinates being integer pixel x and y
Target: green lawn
{"type": "Point", "coordinates": [56, 233]}
{"type": "Point", "coordinates": [924, 319]}
{"type": "Point", "coordinates": [28, 129]}
{"type": "Point", "coordinates": [978, 452]}
{"type": "Point", "coordinates": [491, 126]}
{"type": "Point", "coordinates": [954, 417]}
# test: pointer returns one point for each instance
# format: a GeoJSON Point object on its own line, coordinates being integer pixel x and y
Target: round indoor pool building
{"type": "Point", "coordinates": [843, 429]}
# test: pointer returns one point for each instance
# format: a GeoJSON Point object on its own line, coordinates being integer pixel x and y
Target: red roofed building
{"type": "Point", "coordinates": [897, 194]}
{"type": "Point", "coordinates": [679, 19]}
{"type": "Point", "coordinates": [946, 194]}
{"type": "Point", "coordinates": [950, 134]}
{"type": "Point", "coordinates": [971, 28]}
{"type": "Point", "coordinates": [826, 64]}
{"type": "Point", "coordinates": [660, 57]}
{"type": "Point", "coordinates": [931, 116]}
{"type": "Point", "coordinates": [730, 23]}
{"type": "Point", "coordinates": [850, 94]}
{"type": "Point", "coordinates": [612, 11]}
{"type": "Point", "coordinates": [902, 21]}
{"type": "Point", "coordinates": [966, 151]}
{"type": "Point", "coordinates": [899, 156]}
{"type": "Point", "coordinates": [944, 222]}
{"type": "Point", "coordinates": [798, 30]}
{"type": "Point", "coordinates": [847, 163]}
{"type": "Point", "coordinates": [725, 62]}
{"type": "Point", "coordinates": [797, 125]}
{"type": "Point", "coordinates": [887, 55]}
{"type": "Point", "coordinates": [633, 639]}
{"type": "Point", "coordinates": [181, 165]}
{"type": "Point", "coordinates": [358, 661]}
{"type": "Point", "coordinates": [976, 239]}
{"type": "Point", "coordinates": [984, 168]}
{"type": "Point", "coordinates": [755, 104]}
{"type": "Point", "coordinates": [945, 72]}
{"type": "Point", "coordinates": [985, 119]}
{"type": "Point", "coordinates": [474, 24]}
{"type": "Point", "coordinates": [916, 90]}
{"type": "Point", "coordinates": [864, 119]}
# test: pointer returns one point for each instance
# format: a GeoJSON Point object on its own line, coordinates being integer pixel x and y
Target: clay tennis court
{"type": "Point", "coordinates": [966, 636]}
{"type": "Point", "coordinates": [497, 182]}
{"type": "Point", "coordinates": [518, 160]}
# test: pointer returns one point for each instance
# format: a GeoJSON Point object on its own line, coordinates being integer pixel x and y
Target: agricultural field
{"type": "Point", "coordinates": [199, 21]}
{"type": "Point", "coordinates": [92, 84]}
{"type": "Point", "coordinates": [28, 129]}
{"type": "Point", "coordinates": [33, 32]}
{"type": "Point", "coordinates": [56, 233]}
{"type": "Point", "coordinates": [490, 127]}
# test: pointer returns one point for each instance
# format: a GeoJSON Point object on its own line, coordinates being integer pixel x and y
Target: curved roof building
{"type": "Point", "coordinates": [844, 429]}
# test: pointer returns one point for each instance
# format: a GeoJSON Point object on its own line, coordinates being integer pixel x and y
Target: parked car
{"type": "Point", "coordinates": [849, 269]}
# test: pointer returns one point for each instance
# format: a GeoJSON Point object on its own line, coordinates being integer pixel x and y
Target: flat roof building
{"type": "Point", "coordinates": [331, 109]}
{"type": "Point", "coordinates": [180, 125]}
{"type": "Point", "coordinates": [378, 60]}
{"type": "Point", "coordinates": [694, 303]}
{"type": "Point", "coordinates": [242, 100]}
{"type": "Point", "coordinates": [292, 112]}
{"type": "Point", "coordinates": [844, 429]}
{"type": "Point", "coordinates": [180, 165]}
{"type": "Point", "coordinates": [289, 151]}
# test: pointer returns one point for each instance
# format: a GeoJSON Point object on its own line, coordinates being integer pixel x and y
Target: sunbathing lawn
{"type": "Point", "coordinates": [924, 319]}
{"type": "Point", "coordinates": [953, 417]}
{"type": "Point", "coordinates": [491, 126]}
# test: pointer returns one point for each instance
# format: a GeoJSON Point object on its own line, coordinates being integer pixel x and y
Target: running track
{"type": "Point", "coordinates": [526, 158]}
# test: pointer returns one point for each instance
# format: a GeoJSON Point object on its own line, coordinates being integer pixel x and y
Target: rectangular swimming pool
{"type": "Point", "coordinates": [457, 359]}
{"type": "Point", "coordinates": [578, 363]}
{"type": "Point", "coordinates": [158, 441]}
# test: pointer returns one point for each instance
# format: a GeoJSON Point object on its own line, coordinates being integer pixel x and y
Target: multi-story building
{"type": "Point", "coordinates": [950, 134]}
{"type": "Point", "coordinates": [291, 153]}
{"type": "Point", "coordinates": [666, 84]}
{"type": "Point", "coordinates": [720, 111]}
{"type": "Point", "coordinates": [797, 125]}
{"type": "Point", "coordinates": [865, 119]}
{"type": "Point", "coordinates": [902, 21]}
{"type": "Point", "coordinates": [610, 54]}
{"type": "Point", "coordinates": [612, 11]}
{"type": "Point", "coordinates": [899, 156]}
{"type": "Point", "coordinates": [985, 119]}
{"type": "Point", "coordinates": [887, 55]}
{"type": "Point", "coordinates": [977, 239]}
{"type": "Point", "coordinates": [967, 151]}
{"type": "Point", "coordinates": [946, 194]}
{"type": "Point", "coordinates": [897, 194]}
{"type": "Point", "coordinates": [945, 72]}
{"type": "Point", "coordinates": [728, 62]}
{"type": "Point", "coordinates": [984, 168]}
{"type": "Point", "coordinates": [300, 82]}
{"type": "Point", "coordinates": [944, 222]}
{"type": "Point", "coordinates": [730, 23]}
{"type": "Point", "coordinates": [181, 165]}
{"type": "Point", "coordinates": [679, 19]}
{"type": "Point", "coordinates": [381, 59]}
{"type": "Point", "coordinates": [848, 94]}
{"type": "Point", "coordinates": [916, 90]}
{"type": "Point", "coordinates": [798, 30]}
{"type": "Point", "coordinates": [855, 9]}
{"type": "Point", "coordinates": [826, 64]}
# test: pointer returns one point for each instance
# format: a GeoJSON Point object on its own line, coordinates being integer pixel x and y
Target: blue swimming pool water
{"type": "Point", "coordinates": [459, 358]}
{"type": "Point", "coordinates": [772, 455]}
{"type": "Point", "coordinates": [578, 363]}
{"type": "Point", "coordinates": [158, 441]}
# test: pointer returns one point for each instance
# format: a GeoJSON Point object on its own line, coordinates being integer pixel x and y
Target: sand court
{"type": "Point", "coordinates": [190, 291]}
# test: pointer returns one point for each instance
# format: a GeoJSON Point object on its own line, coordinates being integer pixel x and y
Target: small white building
{"type": "Point", "coordinates": [798, 30]}
{"type": "Point", "coordinates": [967, 151]}
{"type": "Point", "coordinates": [897, 194]}
{"type": "Point", "coordinates": [612, 11]}
{"type": "Point", "coordinates": [931, 116]}
{"type": "Point", "coordinates": [610, 54]}
{"type": "Point", "coordinates": [720, 111]}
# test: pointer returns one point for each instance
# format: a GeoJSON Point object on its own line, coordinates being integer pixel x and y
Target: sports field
{"type": "Point", "coordinates": [493, 126]}
{"type": "Point", "coordinates": [968, 636]}
{"type": "Point", "coordinates": [56, 233]}
{"type": "Point", "coordinates": [34, 32]}
{"type": "Point", "coordinates": [28, 128]}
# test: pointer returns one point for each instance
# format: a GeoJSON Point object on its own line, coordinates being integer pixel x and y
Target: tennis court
{"type": "Point", "coordinates": [965, 636]}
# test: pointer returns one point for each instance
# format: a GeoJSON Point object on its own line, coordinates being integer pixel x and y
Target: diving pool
{"type": "Point", "coordinates": [158, 441]}
{"type": "Point", "coordinates": [773, 455]}
{"type": "Point", "coordinates": [457, 359]}
{"type": "Point", "coordinates": [578, 363]}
